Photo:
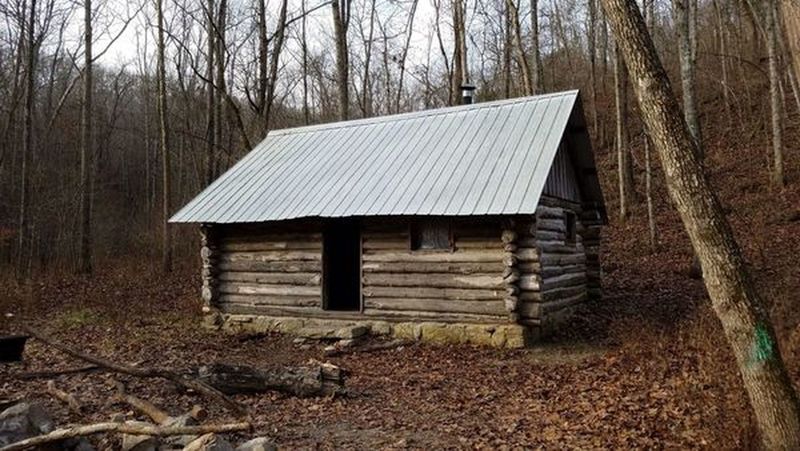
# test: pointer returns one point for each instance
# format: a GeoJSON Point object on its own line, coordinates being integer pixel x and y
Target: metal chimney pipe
{"type": "Point", "coordinates": [467, 93]}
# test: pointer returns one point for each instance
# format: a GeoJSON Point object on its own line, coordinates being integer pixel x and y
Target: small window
{"type": "Point", "coordinates": [430, 234]}
{"type": "Point", "coordinates": [571, 227]}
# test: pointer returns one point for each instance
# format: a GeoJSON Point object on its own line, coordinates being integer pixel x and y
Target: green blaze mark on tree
{"type": "Point", "coordinates": [763, 348]}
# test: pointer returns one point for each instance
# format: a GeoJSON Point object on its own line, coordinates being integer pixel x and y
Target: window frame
{"type": "Point", "coordinates": [414, 234]}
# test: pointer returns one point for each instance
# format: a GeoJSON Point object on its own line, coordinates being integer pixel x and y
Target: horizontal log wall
{"type": "Point", "coordinates": [462, 284]}
{"type": "Point", "coordinates": [590, 233]}
{"type": "Point", "coordinates": [555, 271]}
{"type": "Point", "coordinates": [269, 270]}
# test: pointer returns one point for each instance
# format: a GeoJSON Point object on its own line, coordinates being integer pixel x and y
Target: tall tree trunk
{"type": "Point", "coordinates": [684, 13]}
{"type": "Point", "coordinates": [522, 57]}
{"type": "Point", "coordinates": [404, 55]}
{"type": "Point", "coordinates": [277, 48]}
{"type": "Point", "coordinates": [557, 29]}
{"type": "Point", "coordinates": [734, 297]}
{"type": "Point", "coordinates": [721, 31]}
{"type": "Point", "coordinates": [86, 147]}
{"type": "Point", "coordinates": [211, 95]}
{"type": "Point", "coordinates": [647, 16]}
{"type": "Point", "coordinates": [221, 89]}
{"type": "Point", "coordinates": [790, 10]}
{"type": "Point", "coordinates": [506, 66]}
{"type": "Point", "coordinates": [771, 29]}
{"type": "Point", "coordinates": [536, 61]}
{"type": "Point", "coordinates": [166, 236]}
{"type": "Point", "coordinates": [263, 50]}
{"type": "Point", "coordinates": [341, 19]}
{"type": "Point", "coordinates": [593, 62]}
{"type": "Point", "coordinates": [304, 44]}
{"type": "Point", "coordinates": [460, 74]}
{"type": "Point", "coordinates": [648, 179]}
{"type": "Point", "coordinates": [624, 163]}
{"type": "Point", "coordinates": [366, 86]}
{"type": "Point", "coordinates": [24, 231]}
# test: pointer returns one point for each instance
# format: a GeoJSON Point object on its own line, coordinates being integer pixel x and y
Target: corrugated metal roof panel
{"type": "Point", "coordinates": [487, 158]}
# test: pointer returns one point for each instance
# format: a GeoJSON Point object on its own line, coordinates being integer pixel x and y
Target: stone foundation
{"type": "Point", "coordinates": [495, 335]}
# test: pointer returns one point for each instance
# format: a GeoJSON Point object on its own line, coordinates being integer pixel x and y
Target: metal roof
{"type": "Point", "coordinates": [489, 158]}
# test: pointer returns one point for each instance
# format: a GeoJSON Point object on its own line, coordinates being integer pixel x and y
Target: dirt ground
{"type": "Point", "coordinates": [646, 367]}
{"type": "Point", "coordinates": [593, 387]}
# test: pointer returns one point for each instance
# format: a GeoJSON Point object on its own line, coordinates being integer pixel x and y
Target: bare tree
{"type": "Point", "coordinates": [790, 10]}
{"type": "Point", "coordinates": [211, 96]}
{"type": "Point", "coordinates": [624, 162]}
{"type": "Point", "coordinates": [592, 50]}
{"type": "Point", "coordinates": [366, 86]}
{"type": "Point", "coordinates": [536, 62]}
{"type": "Point", "coordinates": [31, 45]}
{"type": "Point", "coordinates": [86, 146]}
{"type": "Point", "coordinates": [771, 21]}
{"type": "Point", "coordinates": [685, 13]}
{"type": "Point", "coordinates": [304, 50]}
{"type": "Point", "coordinates": [460, 75]}
{"type": "Point", "coordinates": [404, 55]}
{"type": "Point", "coordinates": [341, 22]}
{"type": "Point", "coordinates": [647, 13]}
{"type": "Point", "coordinates": [522, 57]}
{"type": "Point", "coordinates": [166, 236]}
{"type": "Point", "coordinates": [507, 44]}
{"type": "Point", "coordinates": [734, 297]}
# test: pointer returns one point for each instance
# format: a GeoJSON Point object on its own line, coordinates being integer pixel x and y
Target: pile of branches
{"type": "Point", "coordinates": [216, 382]}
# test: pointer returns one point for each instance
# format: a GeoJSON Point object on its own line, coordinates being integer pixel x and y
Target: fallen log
{"type": "Point", "coordinates": [55, 373]}
{"type": "Point", "coordinates": [372, 347]}
{"type": "Point", "coordinates": [125, 428]}
{"type": "Point", "coordinates": [64, 397]}
{"type": "Point", "coordinates": [318, 379]}
{"type": "Point", "coordinates": [160, 373]}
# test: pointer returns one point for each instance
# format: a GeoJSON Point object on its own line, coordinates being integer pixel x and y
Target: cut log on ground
{"type": "Point", "coordinates": [125, 428]}
{"type": "Point", "coordinates": [157, 415]}
{"type": "Point", "coordinates": [160, 373]}
{"type": "Point", "coordinates": [317, 379]}
{"type": "Point", "coordinates": [64, 397]}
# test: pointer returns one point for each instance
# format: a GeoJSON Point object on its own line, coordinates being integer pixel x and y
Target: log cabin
{"type": "Point", "coordinates": [474, 224]}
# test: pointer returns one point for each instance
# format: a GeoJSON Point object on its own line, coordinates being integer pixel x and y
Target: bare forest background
{"type": "Point", "coordinates": [94, 157]}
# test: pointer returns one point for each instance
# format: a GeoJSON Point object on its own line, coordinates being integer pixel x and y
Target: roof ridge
{"type": "Point", "coordinates": [418, 114]}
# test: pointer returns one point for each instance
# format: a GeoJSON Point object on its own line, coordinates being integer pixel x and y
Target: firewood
{"type": "Point", "coordinates": [64, 397]}
{"type": "Point", "coordinates": [159, 373]}
{"type": "Point", "coordinates": [198, 413]}
{"type": "Point", "coordinates": [157, 415]}
{"type": "Point", "coordinates": [125, 428]}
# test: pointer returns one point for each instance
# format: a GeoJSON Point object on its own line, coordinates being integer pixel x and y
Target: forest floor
{"type": "Point", "coordinates": [645, 367]}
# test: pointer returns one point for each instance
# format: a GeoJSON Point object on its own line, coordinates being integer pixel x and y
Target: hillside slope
{"type": "Point", "coordinates": [646, 366]}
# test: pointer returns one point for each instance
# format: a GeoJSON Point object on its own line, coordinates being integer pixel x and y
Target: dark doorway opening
{"type": "Point", "coordinates": [342, 265]}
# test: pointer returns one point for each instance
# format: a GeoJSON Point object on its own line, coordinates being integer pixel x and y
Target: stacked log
{"type": "Point", "coordinates": [269, 273]}
{"type": "Point", "coordinates": [511, 274]}
{"type": "Point", "coordinates": [209, 256]}
{"type": "Point", "coordinates": [591, 243]}
{"type": "Point", "coordinates": [553, 265]}
{"type": "Point", "coordinates": [462, 284]}
{"type": "Point", "coordinates": [563, 262]}
{"type": "Point", "coordinates": [529, 267]}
